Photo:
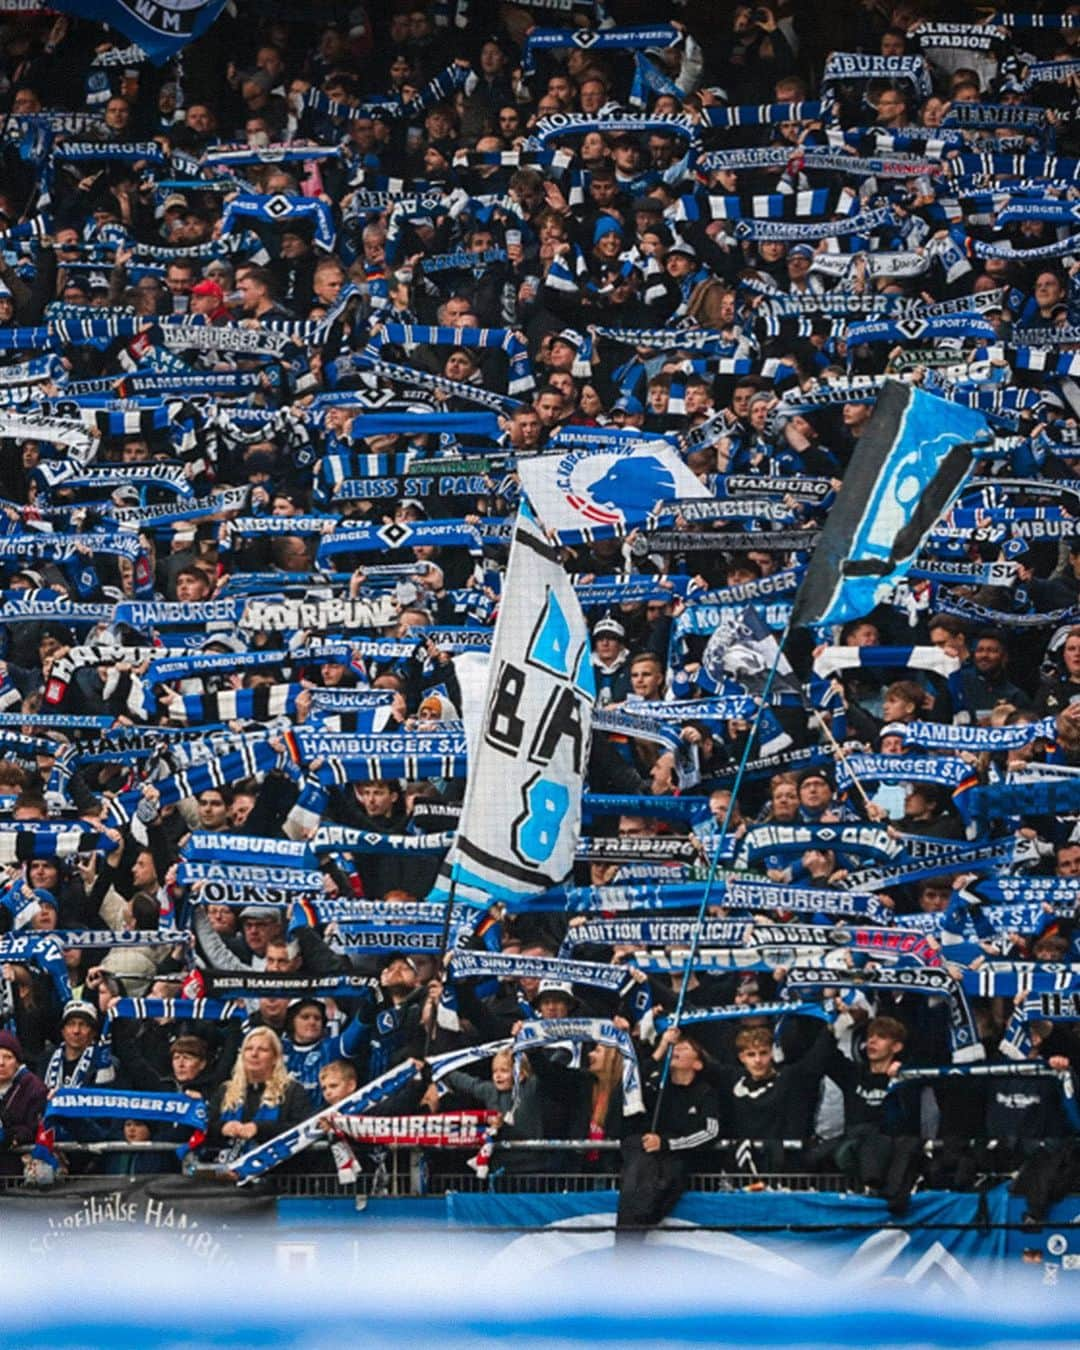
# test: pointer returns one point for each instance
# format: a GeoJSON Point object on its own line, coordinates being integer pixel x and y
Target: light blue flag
{"type": "Point", "coordinates": [907, 470]}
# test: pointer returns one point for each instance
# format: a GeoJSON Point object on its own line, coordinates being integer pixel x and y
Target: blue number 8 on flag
{"type": "Point", "coordinates": [536, 831]}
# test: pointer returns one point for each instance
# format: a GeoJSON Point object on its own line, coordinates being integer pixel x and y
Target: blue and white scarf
{"type": "Point", "coordinates": [520, 379]}
{"type": "Point", "coordinates": [332, 838]}
{"type": "Point", "coordinates": [474, 965]}
{"type": "Point", "coordinates": [41, 950]}
{"type": "Point", "coordinates": [287, 1145]}
{"type": "Point", "coordinates": [412, 755]}
{"type": "Point", "coordinates": [964, 326]}
{"type": "Point", "coordinates": [767, 114]}
{"type": "Point", "coordinates": [949, 773]}
{"type": "Point", "coordinates": [77, 939]}
{"type": "Point", "coordinates": [638, 39]}
{"type": "Point", "coordinates": [860, 66]}
{"type": "Point", "coordinates": [276, 208]}
{"type": "Point", "coordinates": [76, 1102]}
{"type": "Point", "coordinates": [865, 841]}
{"type": "Point", "coordinates": [691, 1017]}
{"type": "Point", "coordinates": [247, 848]}
{"type": "Point", "coordinates": [921, 981]}
{"type": "Point", "coordinates": [771, 897]}
{"type": "Point", "coordinates": [539, 1034]}
{"type": "Point", "coordinates": [611, 124]}
{"type": "Point", "coordinates": [1024, 797]}
{"type": "Point", "coordinates": [996, 740]}
{"type": "Point", "coordinates": [428, 382]}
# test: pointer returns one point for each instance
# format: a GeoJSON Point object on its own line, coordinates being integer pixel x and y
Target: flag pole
{"type": "Point", "coordinates": [839, 751]}
{"type": "Point", "coordinates": [448, 912]}
{"type": "Point", "coordinates": [710, 880]}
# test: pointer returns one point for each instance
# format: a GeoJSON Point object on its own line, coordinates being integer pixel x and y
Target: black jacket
{"type": "Point", "coordinates": [293, 1108]}
{"type": "Point", "coordinates": [780, 1107]}
{"type": "Point", "coordinates": [689, 1114]}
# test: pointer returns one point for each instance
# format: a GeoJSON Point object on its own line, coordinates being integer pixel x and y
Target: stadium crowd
{"type": "Point", "coordinates": [280, 322]}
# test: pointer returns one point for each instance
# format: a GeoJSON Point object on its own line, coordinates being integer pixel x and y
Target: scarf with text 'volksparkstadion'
{"type": "Point", "coordinates": [223, 869]}
{"type": "Point", "coordinates": [961, 36]}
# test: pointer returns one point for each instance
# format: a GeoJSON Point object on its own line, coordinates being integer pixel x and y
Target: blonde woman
{"type": "Point", "coordinates": [260, 1098]}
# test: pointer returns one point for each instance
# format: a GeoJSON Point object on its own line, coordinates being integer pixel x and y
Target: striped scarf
{"type": "Point", "coordinates": [252, 760]}
{"type": "Point", "coordinates": [92, 1066]}
{"type": "Point", "coordinates": [766, 114]}
{"type": "Point", "coordinates": [428, 382]}
{"type": "Point", "coordinates": [521, 378]}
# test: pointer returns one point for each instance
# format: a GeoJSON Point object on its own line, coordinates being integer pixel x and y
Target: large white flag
{"type": "Point", "coordinates": [605, 489]}
{"type": "Point", "coordinates": [522, 814]}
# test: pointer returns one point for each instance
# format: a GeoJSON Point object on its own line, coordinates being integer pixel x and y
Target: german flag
{"type": "Point", "coordinates": [303, 915]}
